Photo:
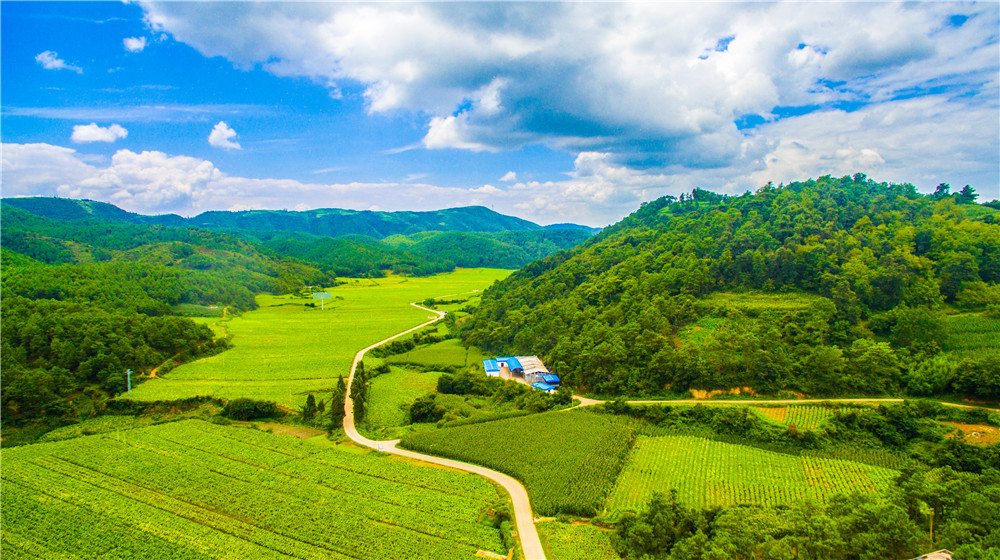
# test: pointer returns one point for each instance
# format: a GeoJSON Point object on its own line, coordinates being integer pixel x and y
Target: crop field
{"type": "Point", "coordinates": [568, 461]}
{"type": "Point", "coordinates": [194, 490]}
{"type": "Point", "coordinates": [447, 353]}
{"type": "Point", "coordinates": [755, 303]}
{"type": "Point", "coordinates": [970, 333]}
{"type": "Point", "coordinates": [391, 394]}
{"type": "Point", "coordinates": [802, 417]}
{"type": "Point", "coordinates": [564, 541]}
{"type": "Point", "coordinates": [708, 473]}
{"type": "Point", "coordinates": [284, 349]}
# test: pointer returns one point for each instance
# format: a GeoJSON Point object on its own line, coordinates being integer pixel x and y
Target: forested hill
{"type": "Point", "coordinates": [828, 286]}
{"type": "Point", "coordinates": [329, 222]}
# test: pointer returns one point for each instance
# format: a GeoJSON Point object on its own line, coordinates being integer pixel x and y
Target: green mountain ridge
{"type": "Point", "coordinates": [332, 222]}
{"type": "Point", "coordinates": [57, 230]}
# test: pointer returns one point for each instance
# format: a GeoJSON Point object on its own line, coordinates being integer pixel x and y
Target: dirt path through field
{"type": "Point", "coordinates": [523, 517]}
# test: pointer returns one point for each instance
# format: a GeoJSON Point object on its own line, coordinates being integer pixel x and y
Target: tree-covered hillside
{"type": "Point", "coordinates": [827, 286]}
{"type": "Point", "coordinates": [506, 249]}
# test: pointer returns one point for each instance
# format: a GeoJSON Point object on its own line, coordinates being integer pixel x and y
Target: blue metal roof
{"type": "Point", "coordinates": [513, 363]}
{"type": "Point", "coordinates": [551, 378]}
{"type": "Point", "coordinates": [491, 365]}
{"type": "Point", "coordinates": [543, 387]}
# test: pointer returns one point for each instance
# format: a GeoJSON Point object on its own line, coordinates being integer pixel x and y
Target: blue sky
{"type": "Point", "coordinates": [552, 112]}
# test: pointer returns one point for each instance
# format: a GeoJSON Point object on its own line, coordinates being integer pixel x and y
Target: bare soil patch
{"type": "Point", "coordinates": [301, 432]}
{"type": "Point", "coordinates": [978, 434]}
{"type": "Point", "coordinates": [703, 394]}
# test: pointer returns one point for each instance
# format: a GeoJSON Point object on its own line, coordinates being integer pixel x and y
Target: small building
{"type": "Point", "coordinates": [491, 367]}
{"type": "Point", "coordinates": [512, 364]}
{"type": "Point", "coordinates": [544, 387]}
{"type": "Point", "coordinates": [551, 379]}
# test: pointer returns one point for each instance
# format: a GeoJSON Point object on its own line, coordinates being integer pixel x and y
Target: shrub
{"type": "Point", "coordinates": [249, 409]}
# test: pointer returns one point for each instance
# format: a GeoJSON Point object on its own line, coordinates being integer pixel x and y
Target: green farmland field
{"type": "Point", "coordinates": [568, 461]}
{"type": "Point", "coordinates": [564, 541]}
{"type": "Point", "coordinates": [447, 353]}
{"type": "Point", "coordinates": [392, 393]}
{"type": "Point", "coordinates": [755, 303]}
{"type": "Point", "coordinates": [284, 349]}
{"type": "Point", "coordinates": [708, 473]}
{"type": "Point", "coordinates": [970, 334]}
{"type": "Point", "coordinates": [802, 417]}
{"type": "Point", "coordinates": [194, 490]}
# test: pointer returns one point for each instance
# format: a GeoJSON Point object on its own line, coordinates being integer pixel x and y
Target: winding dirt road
{"type": "Point", "coordinates": [523, 516]}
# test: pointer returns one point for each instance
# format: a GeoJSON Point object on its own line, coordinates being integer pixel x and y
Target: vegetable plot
{"type": "Point", "coordinates": [196, 490]}
{"type": "Point", "coordinates": [708, 473]}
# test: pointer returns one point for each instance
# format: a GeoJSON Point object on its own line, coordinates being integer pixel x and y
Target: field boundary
{"type": "Point", "coordinates": [584, 401]}
{"type": "Point", "coordinates": [523, 515]}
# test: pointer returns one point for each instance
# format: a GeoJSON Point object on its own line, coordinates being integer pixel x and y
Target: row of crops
{"type": "Point", "coordinates": [567, 460]}
{"type": "Point", "coordinates": [802, 417]}
{"type": "Point", "coordinates": [197, 490]}
{"type": "Point", "coordinates": [708, 473]}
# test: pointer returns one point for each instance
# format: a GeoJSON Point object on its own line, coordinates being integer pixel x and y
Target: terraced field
{"type": "Point", "coordinates": [286, 349]}
{"type": "Point", "coordinates": [708, 473]}
{"type": "Point", "coordinates": [194, 490]}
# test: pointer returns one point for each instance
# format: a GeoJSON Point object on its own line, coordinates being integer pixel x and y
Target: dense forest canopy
{"type": "Point", "coordinates": [873, 278]}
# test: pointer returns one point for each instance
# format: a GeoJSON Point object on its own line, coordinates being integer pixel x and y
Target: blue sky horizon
{"type": "Point", "coordinates": [552, 112]}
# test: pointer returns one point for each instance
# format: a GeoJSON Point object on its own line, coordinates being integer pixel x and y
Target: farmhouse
{"type": "Point", "coordinates": [512, 365]}
{"type": "Point", "coordinates": [526, 369]}
{"type": "Point", "coordinates": [491, 367]}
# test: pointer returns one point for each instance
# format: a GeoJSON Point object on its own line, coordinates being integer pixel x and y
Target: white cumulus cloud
{"type": "Point", "coordinates": [134, 44]}
{"type": "Point", "coordinates": [223, 137]}
{"type": "Point", "coordinates": [509, 176]}
{"type": "Point", "coordinates": [50, 61]}
{"type": "Point", "coordinates": [654, 85]}
{"type": "Point", "coordinates": [84, 133]}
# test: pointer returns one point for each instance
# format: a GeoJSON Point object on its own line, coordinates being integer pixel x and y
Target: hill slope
{"type": "Point", "coordinates": [866, 274]}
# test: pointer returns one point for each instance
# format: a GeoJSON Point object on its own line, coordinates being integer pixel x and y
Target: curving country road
{"type": "Point", "coordinates": [523, 516]}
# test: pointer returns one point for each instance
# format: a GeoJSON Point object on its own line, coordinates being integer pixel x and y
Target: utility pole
{"type": "Point", "coordinates": [128, 373]}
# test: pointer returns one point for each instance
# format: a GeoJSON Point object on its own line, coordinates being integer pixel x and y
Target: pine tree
{"type": "Point", "coordinates": [309, 410]}
{"type": "Point", "coordinates": [337, 406]}
{"type": "Point", "coordinates": [359, 392]}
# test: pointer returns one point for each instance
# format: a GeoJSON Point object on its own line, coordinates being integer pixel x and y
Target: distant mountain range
{"type": "Point", "coordinates": [328, 222]}
{"type": "Point", "coordinates": [328, 241]}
